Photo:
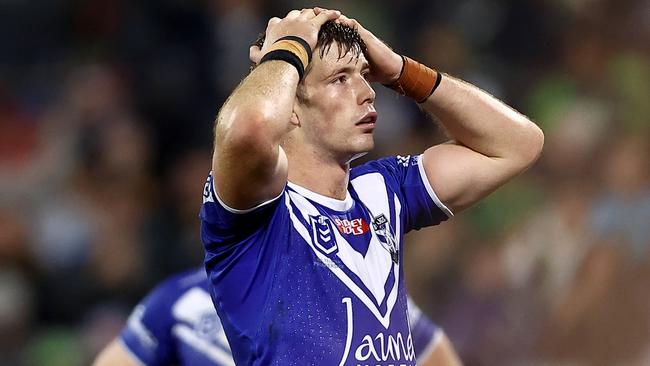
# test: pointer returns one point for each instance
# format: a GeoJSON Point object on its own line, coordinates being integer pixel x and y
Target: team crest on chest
{"type": "Point", "coordinates": [386, 236]}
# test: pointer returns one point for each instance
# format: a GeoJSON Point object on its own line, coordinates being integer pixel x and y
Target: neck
{"type": "Point", "coordinates": [319, 173]}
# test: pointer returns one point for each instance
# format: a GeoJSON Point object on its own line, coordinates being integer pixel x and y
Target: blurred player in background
{"type": "Point", "coordinates": [304, 254]}
{"type": "Point", "coordinates": [176, 324]}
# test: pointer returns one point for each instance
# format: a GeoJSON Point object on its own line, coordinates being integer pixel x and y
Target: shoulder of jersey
{"type": "Point", "coordinates": [365, 168]}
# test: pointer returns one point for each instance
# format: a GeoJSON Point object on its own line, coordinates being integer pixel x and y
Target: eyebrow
{"type": "Point", "coordinates": [348, 69]}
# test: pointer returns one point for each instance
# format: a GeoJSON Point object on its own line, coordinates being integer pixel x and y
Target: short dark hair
{"type": "Point", "coordinates": [347, 39]}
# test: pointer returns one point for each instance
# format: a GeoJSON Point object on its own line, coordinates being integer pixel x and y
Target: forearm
{"type": "Point", "coordinates": [481, 122]}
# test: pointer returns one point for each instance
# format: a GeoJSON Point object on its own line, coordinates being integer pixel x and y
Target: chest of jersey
{"type": "Point", "coordinates": [339, 292]}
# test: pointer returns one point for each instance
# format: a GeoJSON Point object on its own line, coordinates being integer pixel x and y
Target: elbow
{"type": "Point", "coordinates": [534, 144]}
{"type": "Point", "coordinates": [242, 131]}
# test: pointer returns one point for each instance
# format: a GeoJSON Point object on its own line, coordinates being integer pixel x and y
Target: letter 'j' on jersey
{"type": "Point", "coordinates": [305, 279]}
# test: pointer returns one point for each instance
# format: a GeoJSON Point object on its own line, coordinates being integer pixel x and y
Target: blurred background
{"type": "Point", "coordinates": [106, 114]}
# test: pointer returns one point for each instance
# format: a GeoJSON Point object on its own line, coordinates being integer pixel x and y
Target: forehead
{"type": "Point", "coordinates": [332, 60]}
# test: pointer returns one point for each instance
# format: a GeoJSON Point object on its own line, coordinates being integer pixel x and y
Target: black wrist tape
{"type": "Point", "coordinates": [286, 56]}
{"type": "Point", "coordinates": [302, 42]}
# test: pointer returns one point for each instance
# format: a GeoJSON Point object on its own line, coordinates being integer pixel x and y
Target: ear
{"type": "Point", "coordinates": [294, 119]}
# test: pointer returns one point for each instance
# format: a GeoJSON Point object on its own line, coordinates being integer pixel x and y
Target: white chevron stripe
{"type": "Point", "coordinates": [213, 352]}
{"type": "Point", "coordinates": [373, 269]}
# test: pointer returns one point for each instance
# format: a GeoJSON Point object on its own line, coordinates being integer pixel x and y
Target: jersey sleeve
{"type": "Point", "coordinates": [406, 176]}
{"type": "Point", "coordinates": [242, 248]}
{"type": "Point", "coordinates": [222, 226]}
{"type": "Point", "coordinates": [424, 332]}
{"type": "Point", "coordinates": [147, 334]}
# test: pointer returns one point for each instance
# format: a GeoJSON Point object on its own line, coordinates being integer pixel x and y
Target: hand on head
{"type": "Point", "coordinates": [385, 64]}
{"type": "Point", "coordinates": [303, 23]}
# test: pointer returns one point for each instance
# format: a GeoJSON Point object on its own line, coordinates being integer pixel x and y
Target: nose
{"type": "Point", "coordinates": [365, 94]}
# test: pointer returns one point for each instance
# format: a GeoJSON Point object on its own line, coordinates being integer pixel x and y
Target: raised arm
{"type": "Point", "coordinates": [491, 142]}
{"type": "Point", "coordinates": [249, 166]}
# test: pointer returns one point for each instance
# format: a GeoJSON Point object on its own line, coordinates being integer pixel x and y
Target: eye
{"type": "Point", "coordinates": [341, 79]}
{"type": "Point", "coordinates": [365, 74]}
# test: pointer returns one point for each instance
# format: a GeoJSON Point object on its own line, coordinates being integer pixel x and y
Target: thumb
{"type": "Point", "coordinates": [255, 54]}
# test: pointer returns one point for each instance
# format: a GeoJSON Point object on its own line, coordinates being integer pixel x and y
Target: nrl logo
{"type": "Point", "coordinates": [322, 234]}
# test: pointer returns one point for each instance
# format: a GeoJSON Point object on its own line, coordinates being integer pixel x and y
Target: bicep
{"type": "Point", "coordinates": [243, 180]}
{"type": "Point", "coordinates": [461, 177]}
{"type": "Point", "coordinates": [116, 354]}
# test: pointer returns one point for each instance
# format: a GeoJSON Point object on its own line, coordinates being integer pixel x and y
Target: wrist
{"type": "Point", "coordinates": [416, 80]}
{"type": "Point", "coordinates": [399, 69]}
{"type": "Point", "coordinates": [291, 49]}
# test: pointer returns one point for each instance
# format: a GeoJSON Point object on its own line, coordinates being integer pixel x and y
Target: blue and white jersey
{"type": "Point", "coordinates": [176, 324]}
{"type": "Point", "coordinates": [305, 279]}
{"type": "Point", "coordinates": [426, 335]}
{"type": "Point", "coordinates": [157, 332]}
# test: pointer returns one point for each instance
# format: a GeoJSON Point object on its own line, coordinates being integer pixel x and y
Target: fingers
{"type": "Point", "coordinates": [304, 23]}
{"type": "Point", "coordinates": [340, 19]}
{"type": "Point", "coordinates": [319, 14]}
{"type": "Point", "coordinates": [307, 13]}
{"type": "Point", "coordinates": [319, 10]}
{"type": "Point", "coordinates": [274, 20]}
{"type": "Point", "coordinates": [292, 14]}
{"type": "Point", "coordinates": [325, 16]}
{"type": "Point", "coordinates": [347, 21]}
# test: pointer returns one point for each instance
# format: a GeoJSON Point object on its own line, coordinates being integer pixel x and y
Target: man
{"type": "Point", "coordinates": [176, 324]}
{"type": "Point", "coordinates": [304, 254]}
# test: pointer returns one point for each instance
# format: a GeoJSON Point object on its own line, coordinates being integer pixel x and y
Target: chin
{"type": "Point", "coordinates": [355, 148]}
{"type": "Point", "coordinates": [362, 148]}
{"type": "Point", "coordinates": [367, 144]}
{"type": "Point", "coordinates": [362, 143]}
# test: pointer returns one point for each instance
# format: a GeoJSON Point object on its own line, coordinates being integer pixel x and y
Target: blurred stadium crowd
{"type": "Point", "coordinates": [106, 113]}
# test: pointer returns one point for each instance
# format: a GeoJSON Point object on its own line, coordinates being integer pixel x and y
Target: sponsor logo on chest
{"type": "Point", "coordinates": [354, 226]}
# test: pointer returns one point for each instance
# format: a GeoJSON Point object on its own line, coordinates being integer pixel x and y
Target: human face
{"type": "Point", "coordinates": [337, 113]}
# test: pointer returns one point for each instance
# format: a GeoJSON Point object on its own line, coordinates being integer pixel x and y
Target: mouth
{"type": "Point", "coordinates": [368, 121]}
